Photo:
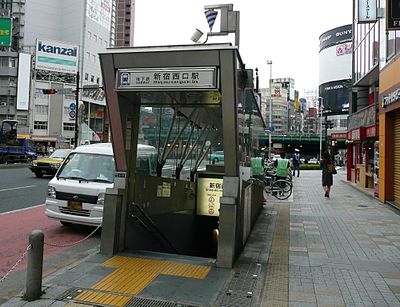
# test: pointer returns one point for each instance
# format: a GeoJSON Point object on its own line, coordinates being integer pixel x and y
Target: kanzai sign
{"type": "Point", "coordinates": [57, 56]}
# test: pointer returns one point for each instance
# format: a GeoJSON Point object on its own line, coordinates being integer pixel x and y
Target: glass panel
{"type": "Point", "coordinates": [390, 44]}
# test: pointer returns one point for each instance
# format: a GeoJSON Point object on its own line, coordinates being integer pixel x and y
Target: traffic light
{"type": "Point", "coordinates": [50, 91]}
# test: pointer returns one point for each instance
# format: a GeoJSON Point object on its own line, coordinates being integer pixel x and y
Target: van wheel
{"type": "Point", "coordinates": [66, 224]}
{"type": "Point", "coordinates": [39, 174]}
{"type": "Point", "coordinates": [215, 160]}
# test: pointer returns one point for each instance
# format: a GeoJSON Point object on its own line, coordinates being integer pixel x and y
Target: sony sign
{"type": "Point", "coordinates": [367, 11]}
{"type": "Point", "coordinates": [57, 56]}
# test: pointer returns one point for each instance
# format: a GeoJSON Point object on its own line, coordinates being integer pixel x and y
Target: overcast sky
{"type": "Point", "coordinates": [284, 31]}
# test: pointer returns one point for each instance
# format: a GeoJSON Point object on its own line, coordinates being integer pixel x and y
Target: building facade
{"type": "Point", "coordinates": [334, 91]}
{"type": "Point", "coordinates": [363, 124]}
{"type": "Point", "coordinates": [88, 26]}
{"type": "Point", "coordinates": [388, 150]}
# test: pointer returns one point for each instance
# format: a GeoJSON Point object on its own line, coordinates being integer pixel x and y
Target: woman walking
{"type": "Point", "coordinates": [327, 177]}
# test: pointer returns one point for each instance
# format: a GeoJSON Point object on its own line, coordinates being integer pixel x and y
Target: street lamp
{"type": "Point", "coordinates": [269, 62]}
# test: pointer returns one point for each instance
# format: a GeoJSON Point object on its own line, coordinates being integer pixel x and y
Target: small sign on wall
{"type": "Point", "coordinates": [209, 190]}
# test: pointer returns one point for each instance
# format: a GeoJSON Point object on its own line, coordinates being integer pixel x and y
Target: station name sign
{"type": "Point", "coordinates": [188, 78]}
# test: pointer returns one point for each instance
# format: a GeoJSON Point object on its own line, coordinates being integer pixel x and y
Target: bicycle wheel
{"type": "Point", "coordinates": [282, 189]}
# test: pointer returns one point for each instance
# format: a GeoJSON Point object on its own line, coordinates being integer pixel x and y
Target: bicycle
{"type": "Point", "coordinates": [279, 188]}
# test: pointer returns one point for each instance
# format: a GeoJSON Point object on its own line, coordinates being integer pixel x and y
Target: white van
{"type": "Point", "coordinates": [76, 193]}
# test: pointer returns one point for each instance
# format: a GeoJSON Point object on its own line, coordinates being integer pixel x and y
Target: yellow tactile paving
{"type": "Point", "coordinates": [132, 275]}
{"type": "Point", "coordinates": [103, 298]}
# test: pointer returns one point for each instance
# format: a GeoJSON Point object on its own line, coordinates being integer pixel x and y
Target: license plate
{"type": "Point", "coordinates": [76, 205]}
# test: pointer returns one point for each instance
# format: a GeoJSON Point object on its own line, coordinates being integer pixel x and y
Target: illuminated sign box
{"type": "Point", "coordinates": [5, 31]}
{"type": "Point", "coordinates": [209, 190]}
{"type": "Point", "coordinates": [189, 78]}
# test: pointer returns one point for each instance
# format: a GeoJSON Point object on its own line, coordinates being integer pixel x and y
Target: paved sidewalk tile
{"type": "Point", "coordinates": [343, 251]}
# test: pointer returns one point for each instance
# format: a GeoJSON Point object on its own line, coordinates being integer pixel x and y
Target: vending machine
{"type": "Point", "coordinates": [376, 168]}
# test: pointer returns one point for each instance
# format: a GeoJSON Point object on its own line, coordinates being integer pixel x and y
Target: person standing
{"type": "Point", "coordinates": [296, 162]}
{"type": "Point", "coordinates": [327, 177]}
{"type": "Point", "coordinates": [282, 167]}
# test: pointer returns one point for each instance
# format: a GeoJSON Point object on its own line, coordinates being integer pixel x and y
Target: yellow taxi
{"type": "Point", "coordinates": [49, 165]}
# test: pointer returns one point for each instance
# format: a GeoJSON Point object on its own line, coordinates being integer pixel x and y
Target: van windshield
{"type": "Point", "coordinates": [88, 167]}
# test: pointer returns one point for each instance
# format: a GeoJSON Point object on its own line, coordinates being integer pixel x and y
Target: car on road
{"type": "Point", "coordinates": [216, 156]}
{"type": "Point", "coordinates": [76, 193]}
{"type": "Point", "coordinates": [313, 161]}
{"type": "Point", "coordinates": [49, 165]}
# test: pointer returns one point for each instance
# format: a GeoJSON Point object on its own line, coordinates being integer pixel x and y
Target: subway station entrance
{"type": "Point", "coordinates": [186, 104]}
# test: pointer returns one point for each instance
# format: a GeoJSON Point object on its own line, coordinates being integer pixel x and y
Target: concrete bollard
{"type": "Point", "coordinates": [35, 266]}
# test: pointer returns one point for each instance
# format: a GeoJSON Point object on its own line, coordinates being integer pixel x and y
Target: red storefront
{"type": "Point", "coordinates": [361, 147]}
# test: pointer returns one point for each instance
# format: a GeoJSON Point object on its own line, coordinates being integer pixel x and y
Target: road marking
{"type": "Point", "coordinates": [18, 188]}
{"type": "Point", "coordinates": [18, 210]}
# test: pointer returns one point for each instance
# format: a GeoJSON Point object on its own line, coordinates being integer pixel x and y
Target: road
{"type": "Point", "coordinates": [19, 188]}
{"type": "Point", "coordinates": [22, 198]}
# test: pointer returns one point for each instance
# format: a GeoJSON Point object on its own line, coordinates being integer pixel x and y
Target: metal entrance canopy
{"type": "Point", "coordinates": [210, 87]}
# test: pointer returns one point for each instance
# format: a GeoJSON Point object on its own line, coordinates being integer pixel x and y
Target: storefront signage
{"type": "Point", "coordinates": [371, 132]}
{"type": "Point", "coordinates": [339, 136]}
{"type": "Point", "coordinates": [366, 11]}
{"type": "Point", "coordinates": [358, 134]}
{"type": "Point", "coordinates": [391, 98]}
{"type": "Point", "coordinates": [392, 15]}
{"type": "Point", "coordinates": [194, 78]}
{"type": "Point", "coordinates": [364, 118]}
{"type": "Point", "coordinates": [209, 190]}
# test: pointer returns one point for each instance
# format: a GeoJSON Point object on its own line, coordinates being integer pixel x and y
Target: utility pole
{"type": "Point", "coordinates": [321, 107]}
{"type": "Point", "coordinates": [270, 109]}
{"type": "Point", "coordinates": [76, 109]}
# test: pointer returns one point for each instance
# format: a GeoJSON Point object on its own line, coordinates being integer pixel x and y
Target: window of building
{"type": "Point", "coordinates": [98, 80]}
{"type": "Point", "coordinates": [91, 78]}
{"type": "Point", "coordinates": [40, 125]}
{"type": "Point", "coordinates": [69, 126]}
{"type": "Point", "coordinates": [391, 46]}
{"type": "Point", "coordinates": [22, 120]}
{"type": "Point", "coordinates": [105, 44]}
{"type": "Point", "coordinates": [89, 35]}
{"type": "Point", "coordinates": [100, 41]}
{"type": "Point", "coordinates": [95, 38]}
{"type": "Point", "coordinates": [41, 109]}
{"type": "Point", "coordinates": [343, 123]}
{"type": "Point", "coordinates": [13, 62]}
{"type": "Point", "coordinates": [88, 55]}
{"type": "Point", "coordinates": [94, 58]}
{"type": "Point", "coordinates": [86, 76]}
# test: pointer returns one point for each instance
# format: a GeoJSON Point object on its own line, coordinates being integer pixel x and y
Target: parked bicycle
{"type": "Point", "coordinates": [279, 188]}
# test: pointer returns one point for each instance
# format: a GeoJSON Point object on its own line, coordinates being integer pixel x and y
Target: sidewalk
{"type": "Point", "coordinates": [306, 251]}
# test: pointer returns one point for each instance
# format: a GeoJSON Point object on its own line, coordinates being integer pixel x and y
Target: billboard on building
{"type": "Point", "coordinates": [276, 90]}
{"type": "Point", "coordinates": [392, 15]}
{"type": "Point", "coordinates": [336, 96]}
{"type": "Point", "coordinates": [57, 56]}
{"type": "Point", "coordinates": [5, 31]}
{"type": "Point", "coordinates": [287, 83]}
{"type": "Point", "coordinates": [100, 11]}
{"type": "Point", "coordinates": [24, 79]}
{"type": "Point", "coordinates": [335, 36]}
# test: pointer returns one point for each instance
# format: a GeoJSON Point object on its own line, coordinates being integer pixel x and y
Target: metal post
{"type": "Point", "coordinates": [321, 100]}
{"type": "Point", "coordinates": [35, 266]}
{"type": "Point", "coordinates": [76, 109]}
{"type": "Point", "coordinates": [270, 109]}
